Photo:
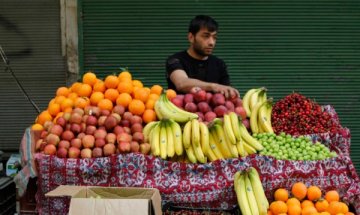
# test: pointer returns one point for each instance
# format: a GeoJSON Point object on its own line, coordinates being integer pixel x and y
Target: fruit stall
{"type": "Point", "coordinates": [202, 151]}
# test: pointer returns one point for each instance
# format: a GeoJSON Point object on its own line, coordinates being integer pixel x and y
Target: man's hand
{"type": "Point", "coordinates": [227, 91]}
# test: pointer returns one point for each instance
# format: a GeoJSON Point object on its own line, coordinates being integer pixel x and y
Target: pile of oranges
{"type": "Point", "coordinates": [307, 201]}
{"type": "Point", "coordinates": [113, 90]}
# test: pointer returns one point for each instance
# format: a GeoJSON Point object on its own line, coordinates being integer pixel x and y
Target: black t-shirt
{"type": "Point", "coordinates": [212, 69]}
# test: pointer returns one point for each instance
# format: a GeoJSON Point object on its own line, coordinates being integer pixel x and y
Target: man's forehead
{"type": "Point", "coordinates": [206, 30]}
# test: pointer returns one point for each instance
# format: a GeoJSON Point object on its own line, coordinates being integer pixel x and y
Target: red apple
{"type": "Point", "coordinates": [178, 102]}
{"type": "Point", "coordinates": [145, 148]}
{"type": "Point", "coordinates": [73, 152]}
{"type": "Point", "coordinates": [75, 118]}
{"type": "Point", "coordinates": [203, 107]}
{"type": "Point", "coordinates": [127, 115]}
{"type": "Point", "coordinates": [201, 116]}
{"type": "Point", "coordinates": [90, 129]}
{"type": "Point", "coordinates": [136, 119]}
{"type": "Point", "coordinates": [97, 152]}
{"type": "Point", "coordinates": [138, 137]}
{"type": "Point", "coordinates": [67, 135]}
{"type": "Point", "coordinates": [62, 152]}
{"type": "Point", "coordinates": [208, 97]}
{"type": "Point", "coordinates": [127, 130]}
{"type": "Point", "coordinates": [61, 121]}
{"type": "Point", "coordinates": [88, 141]}
{"type": "Point", "coordinates": [200, 96]}
{"type": "Point", "coordinates": [191, 107]}
{"type": "Point", "coordinates": [86, 153]}
{"type": "Point", "coordinates": [110, 138]}
{"type": "Point", "coordinates": [109, 149]}
{"type": "Point", "coordinates": [91, 120]}
{"type": "Point", "coordinates": [76, 128]}
{"type": "Point", "coordinates": [100, 133]}
{"type": "Point", "coordinates": [50, 149]}
{"type": "Point", "coordinates": [64, 144]}
{"type": "Point", "coordinates": [124, 147]}
{"type": "Point", "coordinates": [209, 116]}
{"type": "Point", "coordinates": [218, 99]}
{"type": "Point", "coordinates": [134, 146]}
{"type": "Point", "coordinates": [110, 122]}
{"type": "Point", "coordinates": [101, 120]}
{"type": "Point", "coordinates": [220, 110]}
{"type": "Point", "coordinates": [118, 129]}
{"type": "Point", "coordinates": [52, 139]}
{"type": "Point", "coordinates": [240, 111]}
{"type": "Point", "coordinates": [119, 109]}
{"type": "Point", "coordinates": [105, 112]}
{"type": "Point", "coordinates": [79, 111]}
{"type": "Point", "coordinates": [81, 135]}
{"type": "Point", "coordinates": [100, 142]}
{"type": "Point", "coordinates": [137, 127]}
{"type": "Point", "coordinates": [230, 106]}
{"type": "Point", "coordinates": [125, 123]}
{"type": "Point", "coordinates": [246, 123]}
{"type": "Point", "coordinates": [57, 129]}
{"type": "Point", "coordinates": [76, 143]}
{"type": "Point", "coordinates": [188, 98]}
{"type": "Point", "coordinates": [123, 137]}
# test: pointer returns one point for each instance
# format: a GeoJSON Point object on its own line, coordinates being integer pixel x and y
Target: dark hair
{"type": "Point", "coordinates": [201, 21]}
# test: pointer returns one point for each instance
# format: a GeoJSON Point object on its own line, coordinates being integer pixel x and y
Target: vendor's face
{"type": "Point", "coordinates": [203, 42]}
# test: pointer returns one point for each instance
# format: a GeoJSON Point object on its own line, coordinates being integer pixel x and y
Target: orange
{"type": "Point", "coordinates": [89, 78]}
{"type": "Point", "coordinates": [281, 195]}
{"type": "Point", "coordinates": [149, 116]}
{"type": "Point", "coordinates": [125, 87]}
{"type": "Point", "coordinates": [59, 99]}
{"type": "Point", "coordinates": [150, 104]}
{"type": "Point", "coordinates": [75, 87]}
{"type": "Point", "coordinates": [154, 96]}
{"type": "Point", "coordinates": [73, 96]}
{"type": "Point", "coordinates": [345, 208]}
{"type": "Point", "coordinates": [96, 97]}
{"type": "Point", "coordinates": [269, 212]}
{"type": "Point", "coordinates": [124, 99]}
{"type": "Point", "coordinates": [299, 190]}
{"type": "Point", "coordinates": [156, 89]}
{"type": "Point", "coordinates": [141, 94]}
{"type": "Point", "coordinates": [322, 205]}
{"type": "Point", "coordinates": [170, 93]}
{"type": "Point", "coordinates": [67, 110]}
{"type": "Point", "coordinates": [82, 102]}
{"type": "Point", "coordinates": [37, 127]}
{"type": "Point", "coordinates": [278, 207]}
{"type": "Point", "coordinates": [137, 83]}
{"type": "Point", "coordinates": [111, 81]}
{"type": "Point", "coordinates": [124, 76]}
{"type": "Point", "coordinates": [85, 90]}
{"type": "Point", "coordinates": [335, 208]}
{"type": "Point", "coordinates": [136, 107]}
{"type": "Point", "coordinates": [332, 195]}
{"type": "Point", "coordinates": [313, 193]}
{"type": "Point", "coordinates": [105, 104]}
{"type": "Point", "coordinates": [54, 109]}
{"type": "Point", "coordinates": [57, 116]}
{"type": "Point", "coordinates": [349, 213]}
{"type": "Point", "coordinates": [111, 94]}
{"type": "Point", "coordinates": [66, 103]}
{"type": "Point", "coordinates": [52, 101]}
{"type": "Point", "coordinates": [99, 86]}
{"type": "Point", "coordinates": [43, 117]}
{"type": "Point", "coordinates": [309, 211]}
{"type": "Point", "coordinates": [307, 203]}
{"type": "Point", "coordinates": [293, 201]}
{"type": "Point", "coordinates": [325, 213]}
{"type": "Point", "coordinates": [62, 91]}
{"type": "Point", "coordinates": [294, 209]}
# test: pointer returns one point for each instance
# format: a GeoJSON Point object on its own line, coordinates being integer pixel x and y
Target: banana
{"type": "Point", "coordinates": [254, 99]}
{"type": "Point", "coordinates": [232, 147]}
{"type": "Point", "coordinates": [249, 149]}
{"type": "Point", "coordinates": [235, 125]}
{"type": "Point", "coordinates": [163, 141]}
{"type": "Point", "coordinates": [240, 148]}
{"type": "Point", "coordinates": [187, 135]}
{"type": "Point", "coordinates": [170, 140]}
{"type": "Point", "coordinates": [249, 139]}
{"type": "Point", "coordinates": [170, 111]}
{"type": "Point", "coordinates": [250, 195]}
{"type": "Point", "coordinates": [199, 153]}
{"type": "Point", "coordinates": [195, 132]}
{"type": "Point", "coordinates": [155, 140]}
{"type": "Point", "coordinates": [213, 147]}
{"type": "Point", "coordinates": [240, 190]}
{"type": "Point", "coordinates": [158, 109]}
{"type": "Point", "coordinates": [263, 117]}
{"type": "Point", "coordinates": [190, 154]}
{"type": "Point", "coordinates": [204, 137]}
{"type": "Point", "coordinates": [246, 101]}
{"type": "Point", "coordinates": [228, 130]}
{"type": "Point", "coordinates": [176, 130]}
{"type": "Point", "coordinates": [211, 155]}
{"type": "Point", "coordinates": [263, 95]}
{"type": "Point", "coordinates": [258, 189]}
{"type": "Point", "coordinates": [219, 138]}
{"type": "Point", "coordinates": [254, 117]}
{"type": "Point", "coordinates": [146, 130]}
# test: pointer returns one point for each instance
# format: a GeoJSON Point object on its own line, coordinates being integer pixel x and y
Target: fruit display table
{"type": "Point", "coordinates": [208, 186]}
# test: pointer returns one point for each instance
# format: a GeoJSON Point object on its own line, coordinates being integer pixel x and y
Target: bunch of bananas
{"type": "Point", "coordinates": [165, 109]}
{"type": "Point", "coordinates": [165, 138]}
{"type": "Point", "coordinates": [250, 193]}
{"type": "Point", "coordinates": [230, 138]}
{"type": "Point", "coordinates": [258, 108]}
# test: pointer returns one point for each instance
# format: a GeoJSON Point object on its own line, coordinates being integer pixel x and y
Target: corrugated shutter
{"type": "Point", "coordinates": [30, 36]}
{"type": "Point", "coordinates": [311, 47]}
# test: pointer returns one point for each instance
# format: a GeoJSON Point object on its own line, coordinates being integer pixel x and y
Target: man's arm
{"type": "Point", "coordinates": [184, 84]}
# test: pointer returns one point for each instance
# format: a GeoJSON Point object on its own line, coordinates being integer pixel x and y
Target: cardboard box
{"type": "Point", "coordinates": [90, 200]}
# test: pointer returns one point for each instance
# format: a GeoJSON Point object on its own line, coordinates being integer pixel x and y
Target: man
{"type": "Point", "coordinates": [196, 66]}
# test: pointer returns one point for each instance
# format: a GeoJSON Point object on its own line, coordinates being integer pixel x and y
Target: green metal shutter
{"type": "Point", "coordinates": [311, 47]}
{"type": "Point", "coordinates": [30, 36]}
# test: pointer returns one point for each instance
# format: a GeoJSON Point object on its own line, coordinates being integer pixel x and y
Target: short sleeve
{"type": "Point", "coordinates": [172, 64]}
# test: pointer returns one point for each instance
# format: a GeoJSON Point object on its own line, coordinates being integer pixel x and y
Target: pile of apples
{"type": "Point", "coordinates": [209, 105]}
{"type": "Point", "coordinates": [91, 132]}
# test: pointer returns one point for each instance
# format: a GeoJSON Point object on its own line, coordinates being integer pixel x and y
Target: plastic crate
{"type": "Point", "coordinates": [7, 196]}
